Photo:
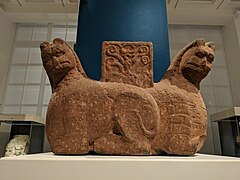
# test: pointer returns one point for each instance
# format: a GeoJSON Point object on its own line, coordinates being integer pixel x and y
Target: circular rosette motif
{"type": "Point", "coordinates": [143, 49]}
{"type": "Point", "coordinates": [145, 60]}
{"type": "Point", "coordinates": [128, 49]}
{"type": "Point", "coordinates": [111, 49]}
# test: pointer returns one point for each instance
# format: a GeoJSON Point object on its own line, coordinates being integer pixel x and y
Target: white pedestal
{"type": "Point", "coordinates": [47, 166]}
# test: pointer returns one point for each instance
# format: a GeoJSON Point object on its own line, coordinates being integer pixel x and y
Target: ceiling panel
{"type": "Point", "coordinates": [4, 1]}
{"type": "Point", "coordinates": [39, 1]}
{"type": "Point", "coordinates": [73, 1]}
{"type": "Point", "coordinates": [179, 11]}
{"type": "Point", "coordinates": [200, 1]}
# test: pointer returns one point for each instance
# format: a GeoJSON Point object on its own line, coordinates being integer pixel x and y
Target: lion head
{"type": "Point", "coordinates": [58, 59]}
{"type": "Point", "coordinates": [194, 61]}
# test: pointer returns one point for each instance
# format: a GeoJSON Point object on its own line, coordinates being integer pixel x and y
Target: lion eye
{"type": "Point", "coordinates": [210, 58]}
{"type": "Point", "coordinates": [57, 51]}
{"type": "Point", "coordinates": [200, 54]}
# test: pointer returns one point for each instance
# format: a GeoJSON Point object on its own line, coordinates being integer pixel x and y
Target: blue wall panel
{"type": "Point", "coordinates": [121, 20]}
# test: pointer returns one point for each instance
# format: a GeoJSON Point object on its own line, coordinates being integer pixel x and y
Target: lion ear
{"type": "Point", "coordinates": [200, 42]}
{"type": "Point", "coordinates": [58, 41]}
{"type": "Point", "coordinates": [211, 45]}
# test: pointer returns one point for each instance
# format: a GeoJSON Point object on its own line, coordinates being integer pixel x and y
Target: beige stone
{"type": "Point", "coordinates": [19, 145]}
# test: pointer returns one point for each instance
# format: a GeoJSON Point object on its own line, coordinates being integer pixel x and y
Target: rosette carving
{"type": "Point", "coordinates": [128, 62]}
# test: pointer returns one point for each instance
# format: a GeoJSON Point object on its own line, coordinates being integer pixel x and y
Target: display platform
{"type": "Point", "coordinates": [226, 131]}
{"type": "Point", "coordinates": [48, 166]}
{"type": "Point", "coordinates": [22, 124]}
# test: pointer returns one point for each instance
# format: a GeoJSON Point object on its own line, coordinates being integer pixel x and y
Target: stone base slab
{"type": "Point", "coordinates": [49, 166]}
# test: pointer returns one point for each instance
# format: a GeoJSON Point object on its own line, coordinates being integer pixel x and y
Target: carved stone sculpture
{"type": "Point", "coordinates": [128, 62]}
{"type": "Point", "coordinates": [183, 116]}
{"type": "Point", "coordinates": [17, 146]}
{"type": "Point", "coordinates": [117, 118]}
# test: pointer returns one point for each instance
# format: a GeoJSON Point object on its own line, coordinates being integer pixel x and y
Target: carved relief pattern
{"type": "Point", "coordinates": [128, 62]}
{"type": "Point", "coordinates": [183, 120]}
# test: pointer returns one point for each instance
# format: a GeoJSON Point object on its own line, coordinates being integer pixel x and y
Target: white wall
{"type": "Point", "coordinates": [237, 24]}
{"type": "Point", "coordinates": [231, 34]}
{"type": "Point", "coordinates": [27, 88]}
{"type": "Point", "coordinates": [6, 43]}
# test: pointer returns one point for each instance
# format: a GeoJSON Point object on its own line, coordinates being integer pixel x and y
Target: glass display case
{"type": "Point", "coordinates": [228, 130]}
{"type": "Point", "coordinates": [30, 125]}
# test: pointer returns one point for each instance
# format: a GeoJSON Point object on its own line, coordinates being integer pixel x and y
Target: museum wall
{"type": "Point", "coordinates": [231, 35]}
{"type": "Point", "coordinates": [237, 24]}
{"type": "Point", "coordinates": [28, 89]}
{"type": "Point", "coordinates": [6, 43]}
